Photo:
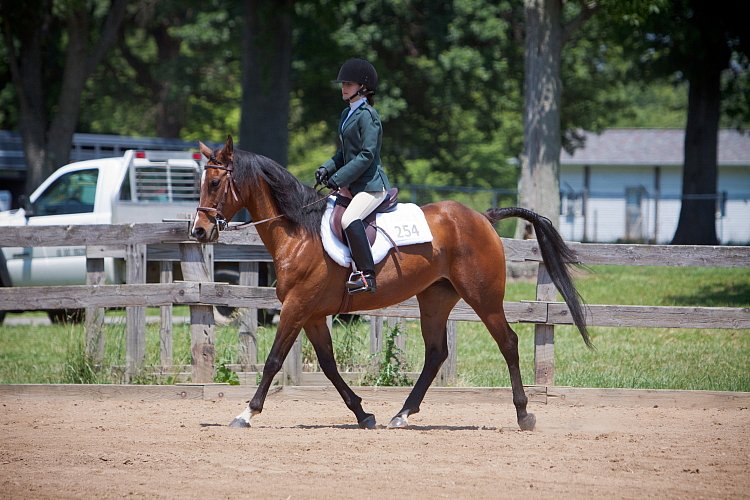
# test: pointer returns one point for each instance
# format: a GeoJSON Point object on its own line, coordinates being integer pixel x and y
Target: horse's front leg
{"type": "Point", "coordinates": [286, 334]}
{"type": "Point", "coordinates": [320, 336]}
{"type": "Point", "coordinates": [435, 305]}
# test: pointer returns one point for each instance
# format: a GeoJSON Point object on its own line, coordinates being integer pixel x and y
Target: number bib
{"type": "Point", "coordinates": [406, 225]}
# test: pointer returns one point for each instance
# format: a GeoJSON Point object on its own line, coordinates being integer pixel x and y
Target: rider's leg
{"type": "Point", "coordinates": [364, 280]}
{"type": "Point", "coordinates": [352, 222]}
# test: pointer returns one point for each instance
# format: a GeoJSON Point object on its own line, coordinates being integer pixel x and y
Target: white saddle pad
{"type": "Point", "coordinates": [406, 226]}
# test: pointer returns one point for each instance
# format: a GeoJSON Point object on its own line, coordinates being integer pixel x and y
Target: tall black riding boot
{"type": "Point", "coordinates": [364, 279]}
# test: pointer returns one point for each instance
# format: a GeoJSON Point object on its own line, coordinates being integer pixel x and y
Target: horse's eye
{"type": "Point", "coordinates": [214, 182]}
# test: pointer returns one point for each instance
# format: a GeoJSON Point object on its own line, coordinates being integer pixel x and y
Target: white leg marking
{"type": "Point", "coordinates": [246, 415]}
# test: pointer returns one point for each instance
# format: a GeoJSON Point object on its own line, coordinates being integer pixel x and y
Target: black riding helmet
{"type": "Point", "coordinates": [358, 71]}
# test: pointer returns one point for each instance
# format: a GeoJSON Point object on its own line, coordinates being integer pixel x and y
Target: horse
{"type": "Point", "coordinates": [465, 260]}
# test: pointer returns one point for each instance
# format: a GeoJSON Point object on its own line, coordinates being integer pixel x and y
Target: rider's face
{"type": "Point", "coordinates": [349, 91]}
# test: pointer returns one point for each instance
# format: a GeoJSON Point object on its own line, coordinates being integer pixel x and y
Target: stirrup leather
{"type": "Point", "coordinates": [361, 282]}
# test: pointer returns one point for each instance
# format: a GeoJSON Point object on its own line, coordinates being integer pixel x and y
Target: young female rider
{"type": "Point", "coordinates": [356, 165]}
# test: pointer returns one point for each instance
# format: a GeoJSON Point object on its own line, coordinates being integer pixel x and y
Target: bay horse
{"type": "Point", "coordinates": [465, 260]}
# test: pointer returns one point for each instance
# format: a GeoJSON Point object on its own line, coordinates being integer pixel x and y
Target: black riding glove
{"type": "Point", "coordinates": [321, 176]}
{"type": "Point", "coordinates": [331, 184]}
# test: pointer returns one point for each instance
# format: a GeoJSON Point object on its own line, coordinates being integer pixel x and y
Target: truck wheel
{"type": "Point", "coordinates": [225, 314]}
{"type": "Point", "coordinates": [60, 316]}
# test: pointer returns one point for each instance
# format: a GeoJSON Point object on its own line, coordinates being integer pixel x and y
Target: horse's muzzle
{"type": "Point", "coordinates": [205, 236]}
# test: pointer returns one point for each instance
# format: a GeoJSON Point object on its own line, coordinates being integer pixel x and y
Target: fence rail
{"type": "Point", "coordinates": [167, 242]}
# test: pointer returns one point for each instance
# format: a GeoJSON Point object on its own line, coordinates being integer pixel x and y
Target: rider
{"type": "Point", "coordinates": [356, 165]}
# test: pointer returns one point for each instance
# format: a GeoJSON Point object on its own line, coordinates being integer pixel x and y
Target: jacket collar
{"type": "Point", "coordinates": [351, 119]}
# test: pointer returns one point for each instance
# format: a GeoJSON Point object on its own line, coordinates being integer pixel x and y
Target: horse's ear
{"type": "Point", "coordinates": [205, 150]}
{"type": "Point", "coordinates": [229, 146]}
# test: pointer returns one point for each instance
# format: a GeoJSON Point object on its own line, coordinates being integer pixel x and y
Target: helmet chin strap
{"type": "Point", "coordinates": [360, 92]}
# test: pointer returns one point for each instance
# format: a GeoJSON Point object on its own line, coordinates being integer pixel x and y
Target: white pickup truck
{"type": "Point", "coordinates": [140, 186]}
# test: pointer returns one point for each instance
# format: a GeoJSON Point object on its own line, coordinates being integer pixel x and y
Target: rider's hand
{"type": "Point", "coordinates": [321, 176]}
{"type": "Point", "coordinates": [331, 184]}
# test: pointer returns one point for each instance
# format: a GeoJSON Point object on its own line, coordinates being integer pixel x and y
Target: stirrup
{"type": "Point", "coordinates": [360, 282]}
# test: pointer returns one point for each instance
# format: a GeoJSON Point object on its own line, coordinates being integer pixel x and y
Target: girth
{"type": "Point", "coordinates": [343, 198]}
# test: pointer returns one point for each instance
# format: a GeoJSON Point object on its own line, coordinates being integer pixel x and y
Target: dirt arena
{"type": "Point", "coordinates": [307, 446]}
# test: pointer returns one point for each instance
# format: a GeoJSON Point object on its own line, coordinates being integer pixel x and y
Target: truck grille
{"type": "Point", "coordinates": [167, 183]}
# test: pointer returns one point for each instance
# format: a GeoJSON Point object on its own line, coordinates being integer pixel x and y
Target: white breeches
{"type": "Point", "coordinates": [361, 206]}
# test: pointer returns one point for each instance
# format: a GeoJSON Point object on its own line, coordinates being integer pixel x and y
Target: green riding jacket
{"type": "Point", "coordinates": [356, 164]}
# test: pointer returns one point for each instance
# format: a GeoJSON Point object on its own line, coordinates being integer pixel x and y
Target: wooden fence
{"type": "Point", "coordinates": [168, 243]}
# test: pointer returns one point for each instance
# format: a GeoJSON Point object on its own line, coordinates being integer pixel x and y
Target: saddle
{"type": "Point", "coordinates": [344, 197]}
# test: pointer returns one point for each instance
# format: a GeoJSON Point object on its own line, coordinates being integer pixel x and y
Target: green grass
{"type": "Point", "coordinates": [624, 357]}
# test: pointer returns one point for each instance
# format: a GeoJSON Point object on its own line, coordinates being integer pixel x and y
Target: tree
{"type": "Point", "coordinates": [53, 48]}
{"type": "Point", "coordinates": [546, 33]}
{"type": "Point", "coordinates": [162, 71]}
{"type": "Point", "coordinates": [175, 72]}
{"type": "Point", "coordinates": [711, 34]}
{"type": "Point", "coordinates": [266, 83]}
{"type": "Point", "coordinates": [694, 41]}
{"type": "Point", "coordinates": [449, 85]}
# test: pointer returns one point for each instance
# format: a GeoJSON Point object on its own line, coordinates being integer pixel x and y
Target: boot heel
{"type": "Point", "coordinates": [360, 282]}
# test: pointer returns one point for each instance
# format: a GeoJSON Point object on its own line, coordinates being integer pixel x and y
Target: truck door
{"type": "Point", "coordinates": [70, 199]}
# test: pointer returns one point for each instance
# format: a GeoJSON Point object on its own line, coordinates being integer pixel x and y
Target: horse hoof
{"type": "Point", "coordinates": [398, 422]}
{"type": "Point", "coordinates": [368, 422]}
{"type": "Point", "coordinates": [239, 423]}
{"type": "Point", "coordinates": [528, 422]}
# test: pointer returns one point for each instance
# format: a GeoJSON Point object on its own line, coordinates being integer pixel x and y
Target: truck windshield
{"type": "Point", "coordinates": [72, 193]}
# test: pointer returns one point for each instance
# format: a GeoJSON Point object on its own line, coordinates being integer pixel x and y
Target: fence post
{"type": "Point", "coordinates": [392, 322]}
{"type": "Point", "coordinates": [248, 333]}
{"type": "Point", "coordinates": [197, 263]}
{"type": "Point", "coordinates": [165, 332]}
{"type": "Point", "coordinates": [544, 335]}
{"type": "Point", "coordinates": [94, 324]}
{"type": "Point", "coordinates": [376, 336]}
{"type": "Point", "coordinates": [447, 374]}
{"type": "Point", "coordinates": [135, 317]}
{"type": "Point", "coordinates": [293, 363]}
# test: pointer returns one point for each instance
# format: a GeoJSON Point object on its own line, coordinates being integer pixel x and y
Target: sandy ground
{"type": "Point", "coordinates": [303, 448]}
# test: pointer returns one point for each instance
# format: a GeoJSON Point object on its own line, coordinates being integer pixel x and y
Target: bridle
{"type": "Point", "coordinates": [222, 223]}
{"type": "Point", "coordinates": [216, 211]}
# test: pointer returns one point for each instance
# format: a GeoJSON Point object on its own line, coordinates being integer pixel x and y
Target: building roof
{"type": "Point", "coordinates": [643, 146]}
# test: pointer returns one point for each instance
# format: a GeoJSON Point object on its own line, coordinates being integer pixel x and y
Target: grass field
{"type": "Point", "coordinates": [624, 357]}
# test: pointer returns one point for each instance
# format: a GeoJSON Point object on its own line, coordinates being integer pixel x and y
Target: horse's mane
{"type": "Point", "coordinates": [291, 196]}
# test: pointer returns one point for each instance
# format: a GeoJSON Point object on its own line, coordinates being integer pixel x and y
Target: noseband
{"type": "Point", "coordinates": [216, 211]}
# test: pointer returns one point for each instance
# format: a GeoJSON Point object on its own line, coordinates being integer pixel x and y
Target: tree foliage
{"type": "Point", "coordinates": [52, 48]}
{"type": "Point", "coordinates": [706, 46]}
{"type": "Point", "coordinates": [451, 76]}
{"type": "Point", "coordinates": [175, 72]}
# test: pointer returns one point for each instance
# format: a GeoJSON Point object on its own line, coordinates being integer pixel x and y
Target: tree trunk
{"type": "Point", "coordinates": [170, 104]}
{"type": "Point", "coordinates": [47, 137]}
{"type": "Point", "coordinates": [697, 223]}
{"type": "Point", "coordinates": [267, 48]}
{"type": "Point", "coordinates": [539, 183]}
{"type": "Point", "coordinates": [25, 64]}
{"type": "Point", "coordinates": [75, 74]}
{"type": "Point", "coordinates": [709, 56]}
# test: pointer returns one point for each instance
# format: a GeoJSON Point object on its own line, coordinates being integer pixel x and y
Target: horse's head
{"type": "Point", "coordinates": [219, 201]}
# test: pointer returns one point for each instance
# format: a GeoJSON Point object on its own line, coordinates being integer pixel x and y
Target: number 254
{"type": "Point", "coordinates": [404, 231]}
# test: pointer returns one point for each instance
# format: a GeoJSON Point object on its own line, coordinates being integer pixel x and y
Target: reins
{"type": "Point", "coordinates": [255, 223]}
{"type": "Point", "coordinates": [221, 222]}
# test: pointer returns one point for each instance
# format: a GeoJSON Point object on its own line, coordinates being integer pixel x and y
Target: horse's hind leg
{"type": "Point", "coordinates": [489, 307]}
{"type": "Point", "coordinates": [320, 337]}
{"type": "Point", "coordinates": [435, 305]}
{"type": "Point", "coordinates": [507, 340]}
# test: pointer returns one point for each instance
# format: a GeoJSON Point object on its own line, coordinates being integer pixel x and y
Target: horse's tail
{"type": "Point", "coordinates": [557, 256]}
